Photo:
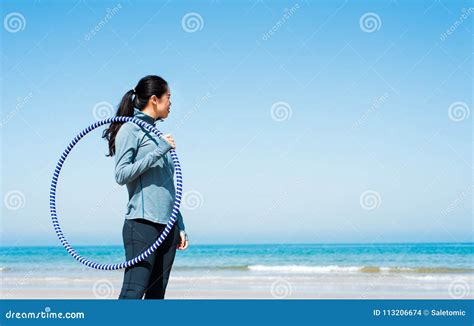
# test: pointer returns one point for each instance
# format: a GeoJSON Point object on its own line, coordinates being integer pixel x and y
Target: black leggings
{"type": "Point", "coordinates": [150, 276]}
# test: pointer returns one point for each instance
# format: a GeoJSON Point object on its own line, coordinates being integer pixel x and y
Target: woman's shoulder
{"type": "Point", "coordinates": [128, 129]}
{"type": "Point", "coordinates": [129, 126]}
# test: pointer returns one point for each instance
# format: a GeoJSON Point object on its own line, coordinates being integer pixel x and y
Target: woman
{"type": "Point", "coordinates": [143, 164]}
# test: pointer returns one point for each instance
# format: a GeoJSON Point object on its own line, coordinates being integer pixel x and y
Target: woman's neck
{"type": "Point", "coordinates": [149, 111]}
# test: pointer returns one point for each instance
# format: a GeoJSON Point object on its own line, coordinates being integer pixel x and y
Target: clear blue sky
{"type": "Point", "coordinates": [375, 98]}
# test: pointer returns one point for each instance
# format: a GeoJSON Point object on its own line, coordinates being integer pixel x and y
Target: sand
{"type": "Point", "coordinates": [107, 285]}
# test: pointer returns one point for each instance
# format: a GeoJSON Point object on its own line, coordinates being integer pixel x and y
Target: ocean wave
{"type": "Point", "coordinates": [354, 269]}
{"type": "Point", "coordinates": [268, 269]}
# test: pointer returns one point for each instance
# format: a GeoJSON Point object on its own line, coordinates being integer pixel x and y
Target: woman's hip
{"type": "Point", "coordinates": [142, 233]}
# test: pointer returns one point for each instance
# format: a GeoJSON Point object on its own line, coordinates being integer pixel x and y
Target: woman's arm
{"type": "Point", "coordinates": [125, 150]}
{"type": "Point", "coordinates": [184, 241]}
{"type": "Point", "coordinates": [180, 222]}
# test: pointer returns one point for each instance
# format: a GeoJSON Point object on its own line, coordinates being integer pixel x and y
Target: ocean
{"type": "Point", "coordinates": [313, 270]}
{"type": "Point", "coordinates": [426, 258]}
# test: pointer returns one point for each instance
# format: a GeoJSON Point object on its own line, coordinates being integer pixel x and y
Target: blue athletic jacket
{"type": "Point", "coordinates": [143, 163]}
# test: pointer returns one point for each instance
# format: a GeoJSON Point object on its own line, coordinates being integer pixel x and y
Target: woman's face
{"type": "Point", "coordinates": [162, 105]}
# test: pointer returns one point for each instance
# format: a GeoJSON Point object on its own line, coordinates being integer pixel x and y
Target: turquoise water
{"type": "Point", "coordinates": [278, 258]}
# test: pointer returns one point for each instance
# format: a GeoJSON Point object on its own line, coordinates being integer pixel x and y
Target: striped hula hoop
{"type": "Point", "coordinates": [54, 182]}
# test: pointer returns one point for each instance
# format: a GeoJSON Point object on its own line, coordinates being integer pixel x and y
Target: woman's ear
{"type": "Point", "coordinates": [154, 100]}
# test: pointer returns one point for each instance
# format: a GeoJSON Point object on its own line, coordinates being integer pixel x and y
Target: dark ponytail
{"type": "Point", "coordinates": [146, 87]}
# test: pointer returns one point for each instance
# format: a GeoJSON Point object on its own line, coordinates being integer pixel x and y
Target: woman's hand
{"type": "Point", "coordinates": [184, 242]}
{"type": "Point", "coordinates": [170, 140]}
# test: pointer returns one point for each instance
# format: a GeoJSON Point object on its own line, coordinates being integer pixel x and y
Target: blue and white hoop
{"type": "Point", "coordinates": [52, 198]}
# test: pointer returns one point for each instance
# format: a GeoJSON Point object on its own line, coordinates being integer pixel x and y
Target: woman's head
{"type": "Point", "coordinates": [151, 95]}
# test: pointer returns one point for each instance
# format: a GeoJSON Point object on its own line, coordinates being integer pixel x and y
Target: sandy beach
{"type": "Point", "coordinates": [107, 286]}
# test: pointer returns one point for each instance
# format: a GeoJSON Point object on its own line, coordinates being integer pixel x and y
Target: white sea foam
{"type": "Point", "coordinates": [305, 269]}
{"type": "Point", "coordinates": [325, 269]}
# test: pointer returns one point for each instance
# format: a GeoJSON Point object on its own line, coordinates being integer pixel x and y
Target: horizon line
{"type": "Point", "coordinates": [252, 244]}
